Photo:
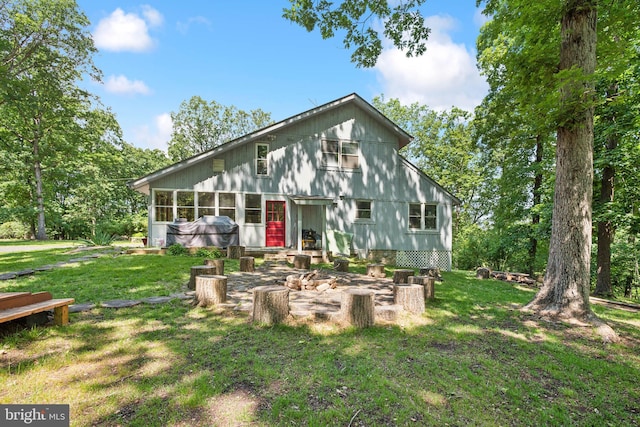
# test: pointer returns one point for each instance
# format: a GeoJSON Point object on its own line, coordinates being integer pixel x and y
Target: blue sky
{"type": "Point", "coordinates": [157, 54]}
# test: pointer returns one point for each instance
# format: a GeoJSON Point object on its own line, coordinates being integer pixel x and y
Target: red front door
{"type": "Point", "coordinates": [275, 223]}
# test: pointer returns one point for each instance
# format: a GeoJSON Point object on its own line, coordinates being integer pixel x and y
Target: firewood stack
{"type": "Point", "coordinates": [310, 281]}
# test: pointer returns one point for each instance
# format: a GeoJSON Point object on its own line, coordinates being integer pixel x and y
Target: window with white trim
{"type": "Point", "coordinates": [363, 209]}
{"type": "Point", "coordinates": [163, 205]}
{"type": "Point", "coordinates": [185, 202]}
{"type": "Point", "coordinates": [206, 203]}
{"type": "Point", "coordinates": [227, 205]}
{"type": "Point", "coordinates": [340, 154]}
{"type": "Point", "coordinates": [253, 209]}
{"type": "Point", "coordinates": [423, 216]}
{"type": "Point", "coordinates": [262, 153]}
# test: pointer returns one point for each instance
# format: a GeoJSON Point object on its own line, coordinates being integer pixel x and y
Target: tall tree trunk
{"type": "Point", "coordinates": [535, 217]}
{"type": "Point", "coordinates": [565, 291]}
{"type": "Point", "coordinates": [41, 233]}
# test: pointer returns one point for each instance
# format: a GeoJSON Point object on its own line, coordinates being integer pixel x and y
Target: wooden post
{"type": "Point", "coordinates": [61, 315]}
{"type": "Point", "coordinates": [410, 297]}
{"type": "Point", "coordinates": [357, 307]}
{"type": "Point", "coordinates": [427, 282]}
{"type": "Point", "coordinates": [341, 265]}
{"type": "Point", "coordinates": [247, 264]}
{"type": "Point", "coordinates": [235, 252]}
{"type": "Point", "coordinates": [211, 289]}
{"type": "Point", "coordinates": [302, 262]}
{"type": "Point", "coordinates": [376, 270]}
{"type": "Point", "coordinates": [199, 270]}
{"type": "Point", "coordinates": [270, 304]}
{"type": "Point", "coordinates": [402, 276]}
{"type": "Point", "coordinates": [217, 263]}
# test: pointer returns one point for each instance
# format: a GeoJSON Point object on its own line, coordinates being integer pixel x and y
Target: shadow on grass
{"type": "Point", "coordinates": [472, 359]}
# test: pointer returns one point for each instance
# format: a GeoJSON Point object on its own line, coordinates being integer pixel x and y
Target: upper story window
{"type": "Point", "coordinates": [262, 152]}
{"type": "Point", "coordinates": [341, 154]}
{"type": "Point", "coordinates": [423, 216]}
{"type": "Point", "coordinates": [363, 209]}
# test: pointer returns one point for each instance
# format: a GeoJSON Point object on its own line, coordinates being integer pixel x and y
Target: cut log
{"type": "Point", "coordinates": [427, 282]}
{"type": "Point", "coordinates": [235, 252]}
{"type": "Point", "coordinates": [431, 272]}
{"type": "Point", "coordinates": [376, 270]}
{"type": "Point", "coordinates": [211, 289]}
{"type": "Point", "coordinates": [357, 307]}
{"type": "Point", "coordinates": [402, 275]}
{"type": "Point", "coordinates": [200, 270]}
{"type": "Point", "coordinates": [483, 273]}
{"type": "Point", "coordinates": [410, 297]}
{"type": "Point", "coordinates": [302, 262]}
{"type": "Point", "coordinates": [270, 304]}
{"type": "Point", "coordinates": [341, 265]}
{"type": "Point", "coordinates": [247, 264]}
{"type": "Point", "coordinates": [217, 263]}
{"type": "Point", "coordinates": [388, 312]}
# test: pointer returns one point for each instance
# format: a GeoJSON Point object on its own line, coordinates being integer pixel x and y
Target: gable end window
{"type": "Point", "coordinates": [423, 216]}
{"type": "Point", "coordinates": [340, 154]}
{"type": "Point", "coordinates": [262, 153]}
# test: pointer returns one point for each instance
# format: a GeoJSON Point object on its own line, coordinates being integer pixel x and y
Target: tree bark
{"type": "Point", "coordinates": [247, 264]}
{"type": "Point", "coordinates": [270, 304]}
{"type": "Point", "coordinates": [211, 289]}
{"type": "Point", "coordinates": [199, 270]}
{"type": "Point", "coordinates": [535, 217]}
{"type": "Point", "coordinates": [41, 232]}
{"type": "Point", "coordinates": [358, 308]}
{"type": "Point", "coordinates": [410, 297]}
{"type": "Point", "coordinates": [606, 230]}
{"type": "Point", "coordinates": [565, 291]}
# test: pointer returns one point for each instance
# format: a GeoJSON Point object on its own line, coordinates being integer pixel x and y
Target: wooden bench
{"type": "Point", "coordinates": [15, 305]}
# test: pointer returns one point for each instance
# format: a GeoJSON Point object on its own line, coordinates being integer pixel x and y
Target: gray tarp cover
{"type": "Point", "coordinates": [220, 231]}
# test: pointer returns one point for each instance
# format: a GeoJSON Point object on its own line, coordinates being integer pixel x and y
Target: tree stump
{"type": "Point", "coordinates": [376, 270]}
{"type": "Point", "coordinates": [341, 265]}
{"type": "Point", "coordinates": [217, 263]}
{"type": "Point", "coordinates": [211, 289]}
{"type": "Point", "coordinates": [270, 304]}
{"type": "Point", "coordinates": [402, 276]}
{"type": "Point", "coordinates": [199, 270]}
{"type": "Point", "coordinates": [302, 262]}
{"type": "Point", "coordinates": [482, 273]}
{"type": "Point", "coordinates": [410, 297]}
{"type": "Point", "coordinates": [431, 272]}
{"type": "Point", "coordinates": [235, 252]}
{"type": "Point", "coordinates": [247, 264]}
{"type": "Point", "coordinates": [357, 307]}
{"type": "Point", "coordinates": [427, 282]}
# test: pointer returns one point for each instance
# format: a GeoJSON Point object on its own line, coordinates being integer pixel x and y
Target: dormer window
{"type": "Point", "coordinates": [262, 153]}
{"type": "Point", "coordinates": [340, 154]}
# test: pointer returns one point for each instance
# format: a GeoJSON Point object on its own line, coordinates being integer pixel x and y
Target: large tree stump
{"type": "Point", "coordinates": [247, 264]}
{"type": "Point", "coordinates": [302, 262]}
{"type": "Point", "coordinates": [482, 273]}
{"type": "Point", "coordinates": [402, 276]}
{"type": "Point", "coordinates": [376, 270]}
{"type": "Point", "coordinates": [357, 307]}
{"type": "Point", "coordinates": [217, 263]}
{"type": "Point", "coordinates": [410, 297]}
{"type": "Point", "coordinates": [270, 304]}
{"type": "Point", "coordinates": [235, 252]}
{"type": "Point", "coordinates": [211, 289]}
{"type": "Point", "coordinates": [199, 270]}
{"type": "Point", "coordinates": [341, 265]}
{"type": "Point", "coordinates": [427, 282]}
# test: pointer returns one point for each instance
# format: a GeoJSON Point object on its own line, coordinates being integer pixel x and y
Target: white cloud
{"type": "Point", "coordinates": [183, 27]}
{"type": "Point", "coordinates": [122, 31]}
{"type": "Point", "coordinates": [122, 85]}
{"type": "Point", "coordinates": [155, 136]}
{"type": "Point", "coordinates": [444, 76]}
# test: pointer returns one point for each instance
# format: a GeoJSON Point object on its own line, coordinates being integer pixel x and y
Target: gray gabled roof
{"type": "Point", "coordinates": [142, 184]}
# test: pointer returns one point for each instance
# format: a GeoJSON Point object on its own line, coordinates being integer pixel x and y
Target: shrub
{"type": "Point", "coordinates": [100, 238]}
{"type": "Point", "coordinates": [13, 230]}
{"type": "Point", "coordinates": [177, 250]}
{"type": "Point", "coordinates": [209, 253]}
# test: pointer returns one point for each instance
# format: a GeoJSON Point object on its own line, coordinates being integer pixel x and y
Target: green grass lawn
{"type": "Point", "coordinates": [473, 358]}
